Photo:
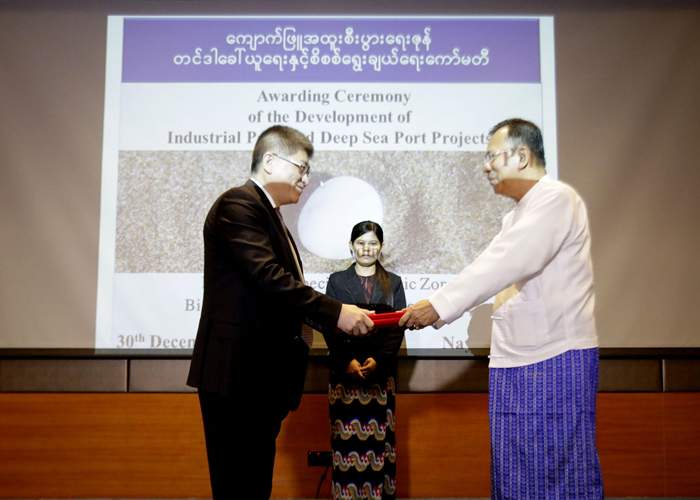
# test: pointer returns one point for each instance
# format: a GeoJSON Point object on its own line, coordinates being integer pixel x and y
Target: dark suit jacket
{"type": "Point", "coordinates": [382, 344]}
{"type": "Point", "coordinates": [248, 341]}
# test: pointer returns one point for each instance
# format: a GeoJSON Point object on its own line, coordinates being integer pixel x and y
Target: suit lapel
{"type": "Point", "coordinates": [352, 285]}
{"type": "Point", "coordinates": [377, 293]}
{"type": "Point", "coordinates": [282, 233]}
{"type": "Point", "coordinates": [294, 246]}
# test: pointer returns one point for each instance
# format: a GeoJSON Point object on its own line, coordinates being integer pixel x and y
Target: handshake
{"type": "Point", "coordinates": [354, 320]}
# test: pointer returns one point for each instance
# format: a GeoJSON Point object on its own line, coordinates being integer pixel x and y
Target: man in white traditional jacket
{"type": "Point", "coordinates": [543, 369]}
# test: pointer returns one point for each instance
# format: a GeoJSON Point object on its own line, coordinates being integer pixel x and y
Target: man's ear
{"type": "Point", "coordinates": [352, 252]}
{"type": "Point", "coordinates": [524, 157]}
{"type": "Point", "coordinates": [267, 163]}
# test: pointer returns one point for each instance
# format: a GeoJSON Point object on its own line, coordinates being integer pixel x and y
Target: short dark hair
{"type": "Point", "coordinates": [524, 132]}
{"type": "Point", "coordinates": [280, 139]}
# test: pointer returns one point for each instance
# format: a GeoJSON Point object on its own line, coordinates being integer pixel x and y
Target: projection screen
{"type": "Point", "coordinates": [398, 109]}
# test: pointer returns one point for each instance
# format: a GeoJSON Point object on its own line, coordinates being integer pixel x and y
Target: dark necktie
{"type": "Point", "coordinates": [307, 333]}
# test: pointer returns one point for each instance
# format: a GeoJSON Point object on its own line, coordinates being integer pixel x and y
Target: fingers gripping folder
{"type": "Point", "coordinates": [386, 319]}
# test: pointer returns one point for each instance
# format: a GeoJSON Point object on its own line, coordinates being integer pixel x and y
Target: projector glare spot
{"type": "Point", "coordinates": [327, 217]}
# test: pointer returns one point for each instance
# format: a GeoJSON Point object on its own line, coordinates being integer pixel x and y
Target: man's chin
{"type": "Point", "coordinates": [294, 196]}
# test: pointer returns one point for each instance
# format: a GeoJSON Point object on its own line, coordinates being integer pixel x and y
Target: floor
{"type": "Point", "coordinates": [451, 498]}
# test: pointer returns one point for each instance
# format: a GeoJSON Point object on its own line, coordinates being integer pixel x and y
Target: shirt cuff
{"type": "Point", "coordinates": [447, 312]}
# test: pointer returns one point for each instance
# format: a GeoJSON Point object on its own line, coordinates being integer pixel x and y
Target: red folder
{"type": "Point", "coordinates": [386, 319]}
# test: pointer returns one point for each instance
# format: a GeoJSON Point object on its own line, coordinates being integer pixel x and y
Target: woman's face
{"type": "Point", "coordinates": [366, 249]}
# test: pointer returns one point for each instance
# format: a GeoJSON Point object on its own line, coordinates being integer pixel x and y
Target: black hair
{"type": "Point", "coordinates": [526, 133]}
{"type": "Point", "coordinates": [282, 139]}
{"type": "Point", "coordinates": [365, 227]}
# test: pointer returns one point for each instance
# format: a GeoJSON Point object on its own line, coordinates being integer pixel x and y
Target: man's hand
{"type": "Point", "coordinates": [419, 315]}
{"type": "Point", "coordinates": [368, 366]}
{"type": "Point", "coordinates": [354, 321]}
{"type": "Point", "coordinates": [354, 369]}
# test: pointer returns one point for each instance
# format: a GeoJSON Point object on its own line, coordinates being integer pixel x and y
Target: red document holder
{"type": "Point", "coordinates": [386, 319]}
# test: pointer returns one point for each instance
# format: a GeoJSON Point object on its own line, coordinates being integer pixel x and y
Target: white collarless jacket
{"type": "Point", "coordinates": [540, 266]}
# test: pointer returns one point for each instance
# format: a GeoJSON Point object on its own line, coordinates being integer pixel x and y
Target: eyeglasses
{"type": "Point", "coordinates": [490, 156]}
{"type": "Point", "coordinates": [304, 168]}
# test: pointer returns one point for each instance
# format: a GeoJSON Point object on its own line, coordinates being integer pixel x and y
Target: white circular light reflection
{"type": "Point", "coordinates": [328, 216]}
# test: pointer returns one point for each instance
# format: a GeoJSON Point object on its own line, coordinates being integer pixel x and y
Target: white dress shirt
{"type": "Point", "coordinates": [540, 263]}
{"type": "Point", "coordinates": [268, 195]}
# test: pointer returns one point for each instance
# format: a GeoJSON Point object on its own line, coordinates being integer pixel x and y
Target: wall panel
{"type": "Point", "coordinates": [151, 445]}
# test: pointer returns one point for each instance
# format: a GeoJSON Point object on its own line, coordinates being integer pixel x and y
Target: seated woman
{"type": "Point", "coordinates": [361, 394]}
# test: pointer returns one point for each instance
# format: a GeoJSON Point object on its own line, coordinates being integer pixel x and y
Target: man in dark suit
{"type": "Point", "coordinates": [249, 358]}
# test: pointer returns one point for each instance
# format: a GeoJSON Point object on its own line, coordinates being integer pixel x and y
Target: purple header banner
{"type": "Point", "coordinates": [429, 50]}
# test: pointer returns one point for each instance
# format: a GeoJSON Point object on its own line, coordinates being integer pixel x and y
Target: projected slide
{"type": "Point", "coordinates": [397, 108]}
